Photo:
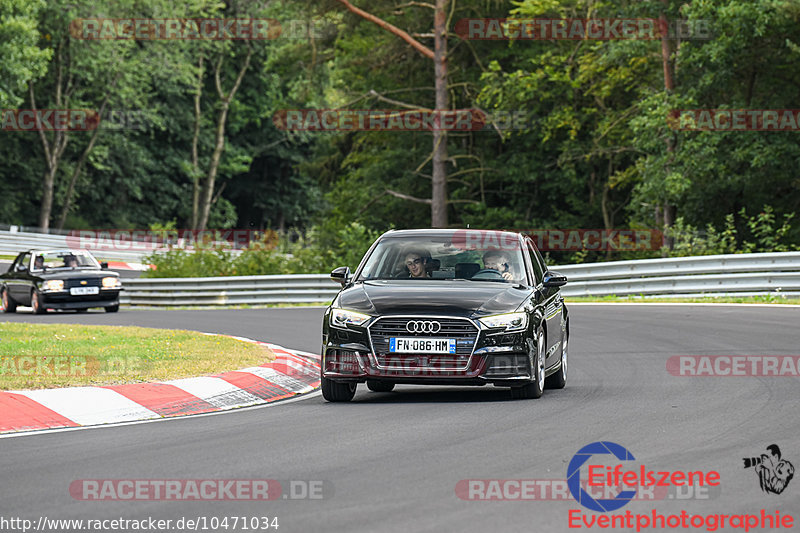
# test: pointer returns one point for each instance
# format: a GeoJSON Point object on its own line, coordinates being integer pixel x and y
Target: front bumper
{"type": "Point", "coordinates": [64, 300]}
{"type": "Point", "coordinates": [495, 357]}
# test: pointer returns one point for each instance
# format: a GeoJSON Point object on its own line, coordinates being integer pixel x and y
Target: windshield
{"type": "Point", "coordinates": [440, 258]}
{"type": "Point", "coordinates": [63, 259]}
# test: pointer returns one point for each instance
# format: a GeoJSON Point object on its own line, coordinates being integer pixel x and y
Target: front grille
{"type": "Point", "coordinates": [90, 282]}
{"type": "Point", "coordinates": [462, 330]}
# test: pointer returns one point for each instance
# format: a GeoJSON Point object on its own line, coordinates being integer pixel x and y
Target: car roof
{"type": "Point", "coordinates": [434, 232]}
{"type": "Point", "coordinates": [58, 251]}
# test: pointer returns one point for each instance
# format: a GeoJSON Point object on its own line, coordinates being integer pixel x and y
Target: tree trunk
{"type": "Point", "coordinates": [667, 210]}
{"type": "Point", "coordinates": [207, 196]}
{"type": "Point", "coordinates": [195, 139]}
{"type": "Point", "coordinates": [438, 198]}
{"type": "Point", "coordinates": [211, 177]}
{"type": "Point", "coordinates": [439, 186]}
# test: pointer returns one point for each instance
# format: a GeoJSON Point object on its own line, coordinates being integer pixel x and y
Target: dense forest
{"type": "Point", "coordinates": [577, 131]}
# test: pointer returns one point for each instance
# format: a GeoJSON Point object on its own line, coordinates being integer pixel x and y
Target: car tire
{"type": "Point", "coordinates": [112, 308]}
{"type": "Point", "coordinates": [535, 388]}
{"type": "Point", "coordinates": [82, 310]}
{"type": "Point", "coordinates": [379, 386]}
{"type": "Point", "coordinates": [334, 391]}
{"type": "Point", "coordinates": [559, 379]}
{"type": "Point", "coordinates": [36, 303]}
{"type": "Point", "coordinates": [8, 303]}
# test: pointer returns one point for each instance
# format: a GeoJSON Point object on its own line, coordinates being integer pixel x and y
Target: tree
{"type": "Point", "coordinates": [438, 198]}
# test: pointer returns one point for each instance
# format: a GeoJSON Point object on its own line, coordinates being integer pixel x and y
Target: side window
{"type": "Point", "coordinates": [536, 261]}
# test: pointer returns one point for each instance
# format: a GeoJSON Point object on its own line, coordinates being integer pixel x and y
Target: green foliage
{"type": "Point", "coordinates": [320, 250]}
{"type": "Point", "coordinates": [759, 233]}
{"type": "Point", "coordinates": [21, 60]}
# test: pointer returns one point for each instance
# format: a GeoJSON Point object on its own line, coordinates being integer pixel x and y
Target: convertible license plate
{"type": "Point", "coordinates": [421, 345]}
{"type": "Point", "coordinates": [79, 291]}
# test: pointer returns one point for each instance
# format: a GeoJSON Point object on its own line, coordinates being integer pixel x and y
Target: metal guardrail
{"type": "Point", "coordinates": [234, 290]}
{"type": "Point", "coordinates": [14, 242]}
{"type": "Point", "coordinates": [714, 275]}
{"type": "Point", "coordinates": [717, 275]}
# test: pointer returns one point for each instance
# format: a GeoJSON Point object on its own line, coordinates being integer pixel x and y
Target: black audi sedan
{"type": "Point", "coordinates": [59, 279]}
{"type": "Point", "coordinates": [446, 307]}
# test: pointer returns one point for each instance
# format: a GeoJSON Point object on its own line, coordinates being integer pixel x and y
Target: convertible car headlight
{"type": "Point", "coordinates": [53, 285]}
{"type": "Point", "coordinates": [111, 283]}
{"type": "Point", "coordinates": [508, 321]}
{"type": "Point", "coordinates": [343, 318]}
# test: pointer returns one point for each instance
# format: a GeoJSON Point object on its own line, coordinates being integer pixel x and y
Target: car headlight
{"type": "Point", "coordinates": [53, 285]}
{"type": "Point", "coordinates": [343, 318]}
{"type": "Point", "coordinates": [111, 282]}
{"type": "Point", "coordinates": [508, 321]}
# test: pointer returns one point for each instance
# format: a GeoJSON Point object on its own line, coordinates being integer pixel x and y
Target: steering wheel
{"type": "Point", "coordinates": [491, 274]}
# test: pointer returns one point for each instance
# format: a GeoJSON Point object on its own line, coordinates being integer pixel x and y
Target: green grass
{"type": "Point", "coordinates": [767, 299]}
{"type": "Point", "coordinates": [35, 356]}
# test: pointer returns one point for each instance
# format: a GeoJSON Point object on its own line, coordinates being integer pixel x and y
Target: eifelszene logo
{"type": "Point", "coordinates": [774, 473]}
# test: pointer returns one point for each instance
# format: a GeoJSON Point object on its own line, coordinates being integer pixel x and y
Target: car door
{"type": "Point", "coordinates": [553, 305]}
{"type": "Point", "coordinates": [18, 283]}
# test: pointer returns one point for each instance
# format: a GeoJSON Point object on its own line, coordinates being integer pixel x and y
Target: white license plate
{"type": "Point", "coordinates": [421, 345]}
{"type": "Point", "coordinates": [79, 291]}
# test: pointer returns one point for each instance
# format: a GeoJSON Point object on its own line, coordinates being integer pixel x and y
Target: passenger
{"type": "Point", "coordinates": [38, 263]}
{"type": "Point", "coordinates": [499, 260]}
{"type": "Point", "coordinates": [416, 264]}
{"type": "Point", "coordinates": [70, 261]}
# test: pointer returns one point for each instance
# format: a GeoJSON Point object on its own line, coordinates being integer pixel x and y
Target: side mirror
{"type": "Point", "coordinates": [554, 279]}
{"type": "Point", "coordinates": [104, 265]}
{"type": "Point", "coordinates": [21, 268]}
{"type": "Point", "coordinates": [341, 275]}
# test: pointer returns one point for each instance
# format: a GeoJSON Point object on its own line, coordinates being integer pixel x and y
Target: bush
{"type": "Point", "coordinates": [761, 235]}
{"type": "Point", "coordinates": [319, 251]}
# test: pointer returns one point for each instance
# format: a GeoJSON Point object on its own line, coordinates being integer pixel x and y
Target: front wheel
{"type": "Point", "coordinates": [535, 388]}
{"type": "Point", "coordinates": [559, 379]}
{"type": "Point", "coordinates": [379, 386]}
{"type": "Point", "coordinates": [333, 391]}
{"type": "Point", "coordinates": [112, 308]}
{"type": "Point", "coordinates": [9, 305]}
{"type": "Point", "coordinates": [36, 303]}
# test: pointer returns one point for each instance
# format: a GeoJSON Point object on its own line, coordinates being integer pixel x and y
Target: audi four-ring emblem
{"type": "Point", "coordinates": [423, 326]}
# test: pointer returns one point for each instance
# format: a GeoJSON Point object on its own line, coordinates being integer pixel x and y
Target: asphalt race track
{"type": "Point", "coordinates": [391, 461]}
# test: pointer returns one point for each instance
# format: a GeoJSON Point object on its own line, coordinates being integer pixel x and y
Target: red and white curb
{"type": "Point", "coordinates": [291, 373]}
{"type": "Point", "coordinates": [121, 265]}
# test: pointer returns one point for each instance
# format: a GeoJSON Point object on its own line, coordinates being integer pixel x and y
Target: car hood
{"type": "Point", "coordinates": [433, 297]}
{"type": "Point", "coordinates": [76, 274]}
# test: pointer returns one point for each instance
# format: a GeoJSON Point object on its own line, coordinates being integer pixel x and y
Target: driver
{"type": "Point", "coordinates": [38, 263]}
{"type": "Point", "coordinates": [416, 264]}
{"type": "Point", "coordinates": [499, 260]}
{"type": "Point", "coordinates": [70, 261]}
